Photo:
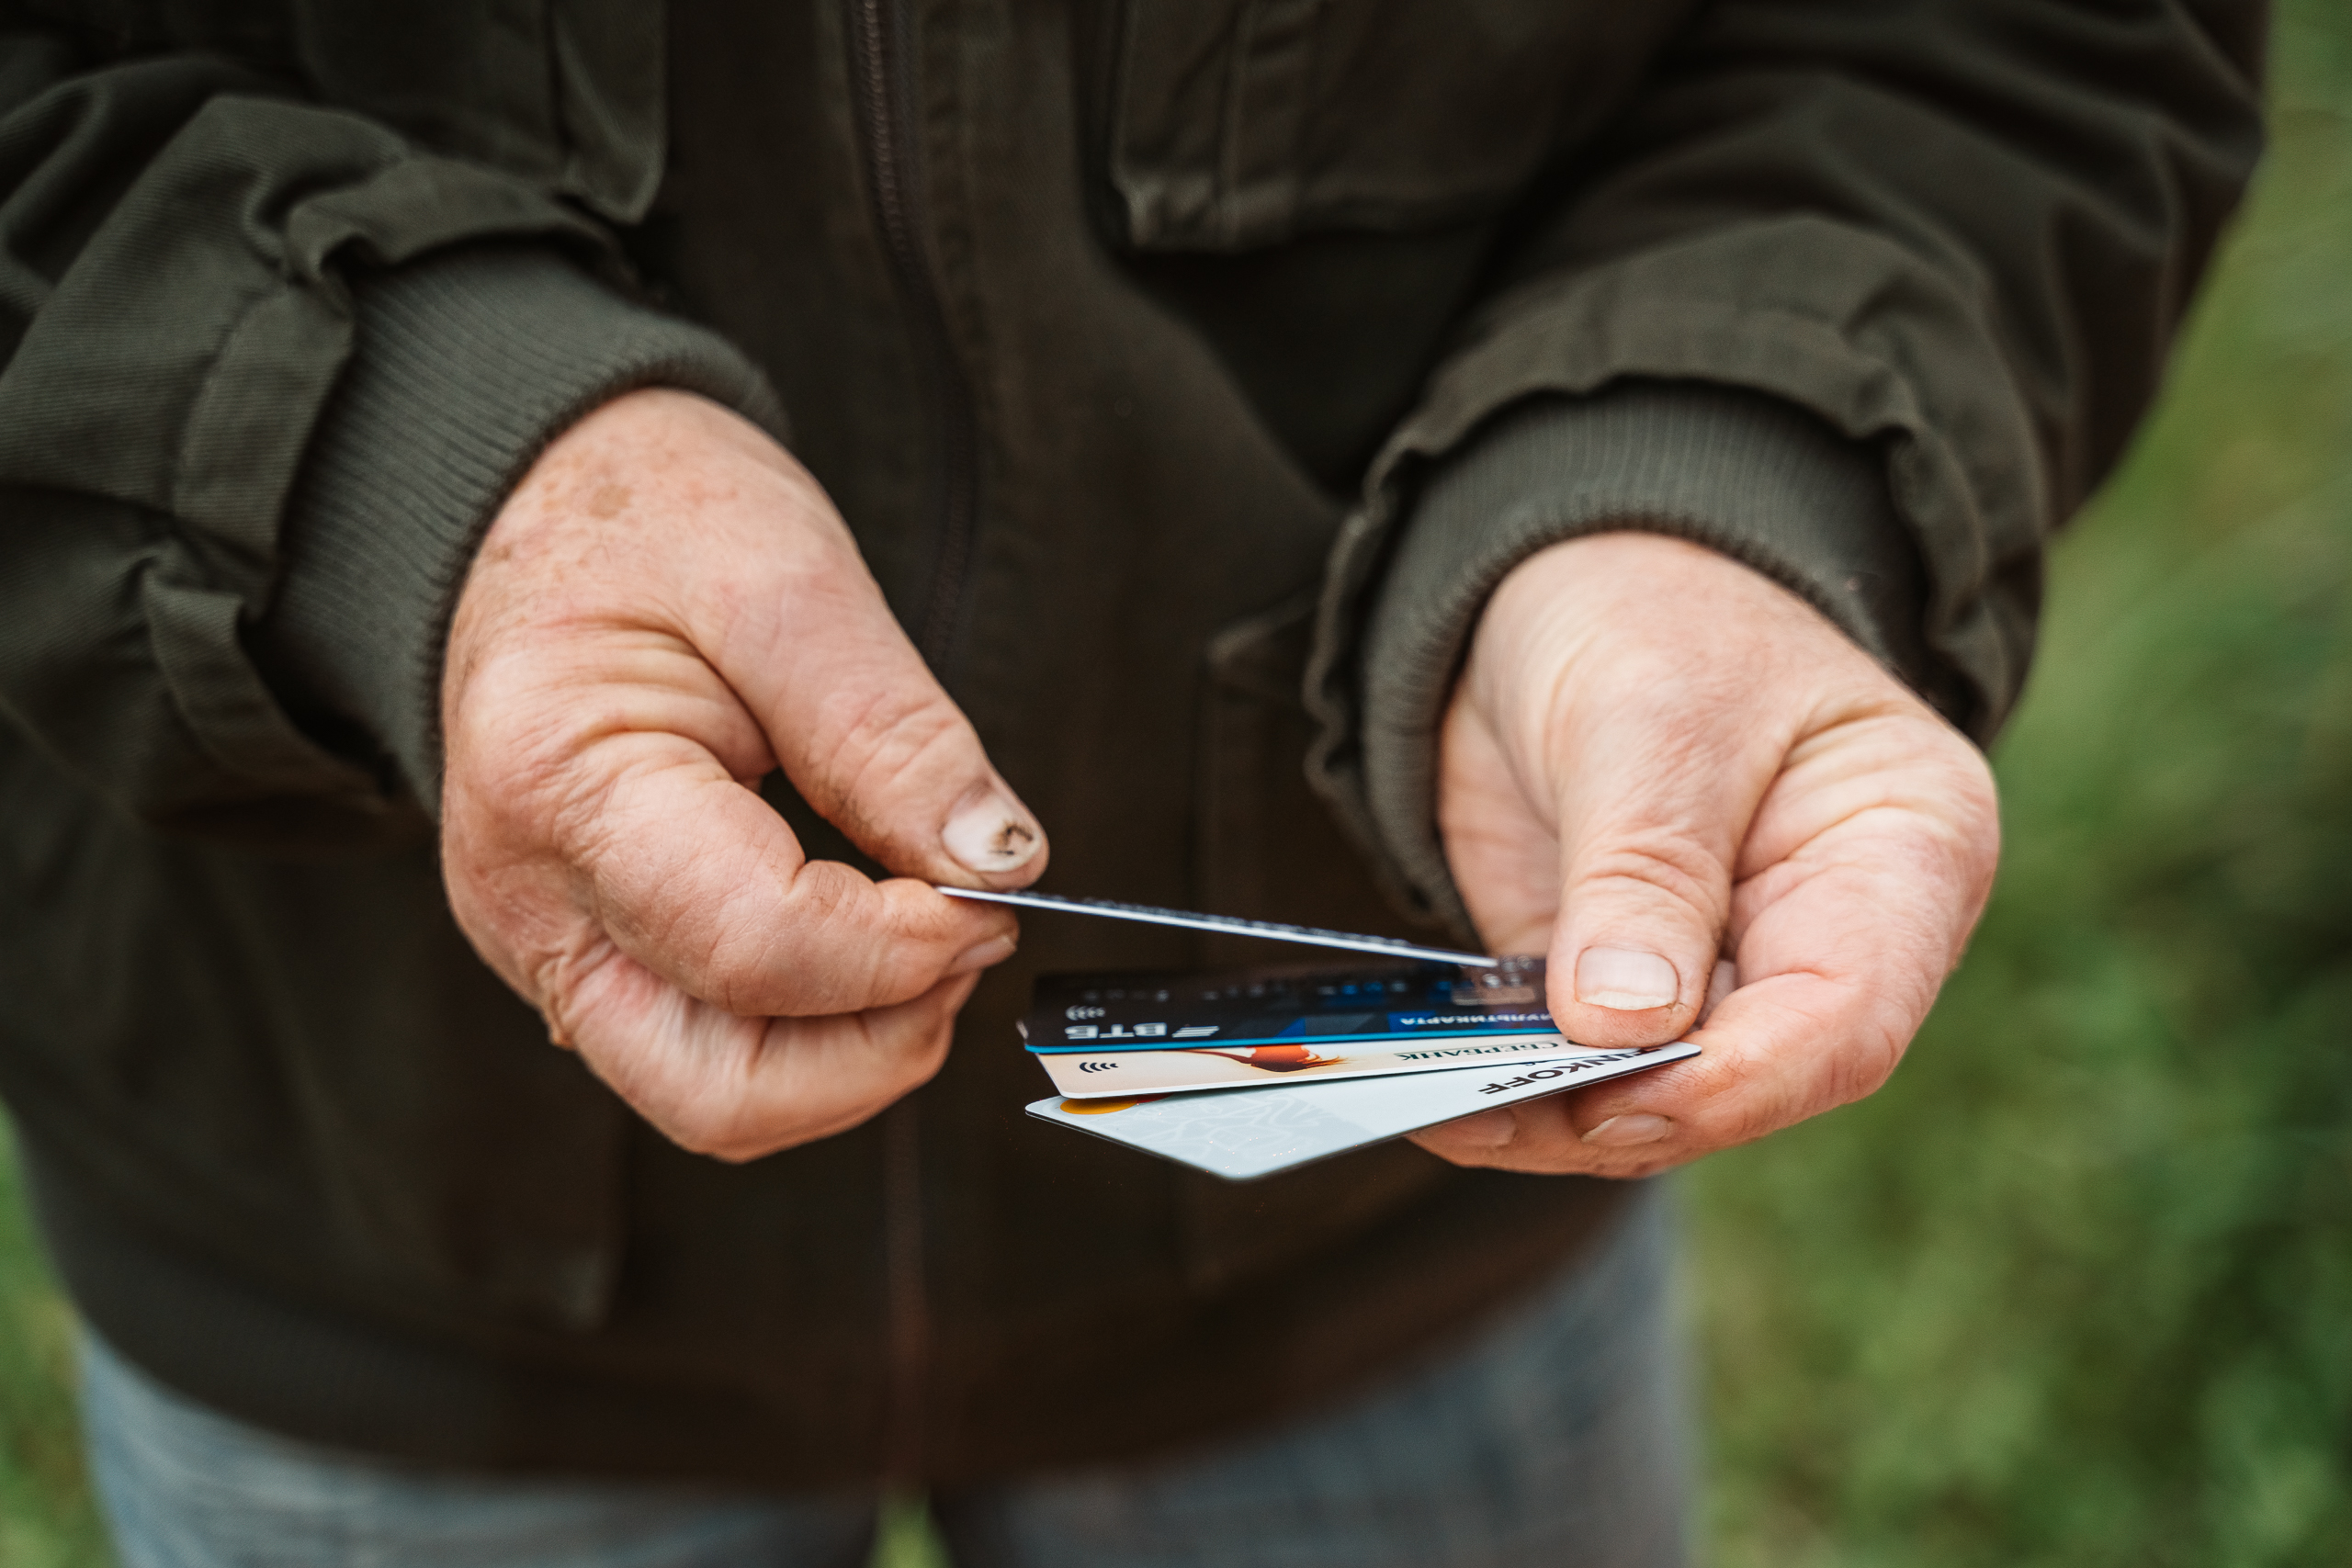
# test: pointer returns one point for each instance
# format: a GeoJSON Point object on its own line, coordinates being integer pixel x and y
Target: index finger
{"type": "Point", "coordinates": [1840, 949]}
{"type": "Point", "coordinates": [695, 876]}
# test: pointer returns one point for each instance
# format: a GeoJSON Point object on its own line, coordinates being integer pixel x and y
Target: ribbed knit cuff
{"type": "Point", "coordinates": [1752, 476]}
{"type": "Point", "coordinates": [467, 364]}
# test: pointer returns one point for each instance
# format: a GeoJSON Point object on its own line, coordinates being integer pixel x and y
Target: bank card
{"type": "Point", "coordinates": [1250, 1132]}
{"type": "Point", "coordinates": [1390, 1005]}
{"type": "Point", "coordinates": [1087, 1075]}
{"type": "Point", "coordinates": [1225, 925]}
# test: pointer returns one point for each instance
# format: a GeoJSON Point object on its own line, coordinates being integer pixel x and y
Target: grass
{"type": "Point", "coordinates": [46, 1516]}
{"type": "Point", "coordinates": [2074, 1288]}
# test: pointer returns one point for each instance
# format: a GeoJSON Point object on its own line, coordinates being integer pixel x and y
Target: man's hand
{"type": "Point", "coordinates": [666, 608]}
{"type": "Point", "coordinates": [1657, 759]}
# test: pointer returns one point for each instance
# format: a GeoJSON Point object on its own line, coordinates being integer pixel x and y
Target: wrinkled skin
{"type": "Point", "coordinates": [1658, 760]}
{"type": "Point", "coordinates": [666, 608]}
{"type": "Point", "coordinates": [1655, 757]}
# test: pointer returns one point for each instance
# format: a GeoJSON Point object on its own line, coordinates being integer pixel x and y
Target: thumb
{"type": "Point", "coordinates": [1652, 803]}
{"type": "Point", "coordinates": [865, 733]}
{"type": "Point", "coordinates": [1643, 908]}
{"type": "Point", "coordinates": [1648, 756]}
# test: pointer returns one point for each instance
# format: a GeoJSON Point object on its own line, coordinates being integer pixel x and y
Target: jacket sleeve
{"type": "Point", "coordinates": [268, 367]}
{"type": "Point", "coordinates": [1867, 293]}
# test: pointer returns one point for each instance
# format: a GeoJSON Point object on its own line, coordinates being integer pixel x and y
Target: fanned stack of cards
{"type": "Point", "coordinates": [1245, 1073]}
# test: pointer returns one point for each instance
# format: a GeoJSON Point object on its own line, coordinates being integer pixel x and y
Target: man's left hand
{"type": "Point", "coordinates": [1658, 761]}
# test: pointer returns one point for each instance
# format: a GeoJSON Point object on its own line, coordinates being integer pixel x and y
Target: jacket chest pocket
{"type": "Point", "coordinates": [1231, 124]}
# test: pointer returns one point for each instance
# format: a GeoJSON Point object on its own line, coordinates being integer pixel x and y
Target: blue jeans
{"type": "Point", "coordinates": [1553, 1439]}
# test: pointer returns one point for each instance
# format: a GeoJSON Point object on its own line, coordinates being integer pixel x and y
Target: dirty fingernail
{"type": "Point", "coordinates": [1625, 1131]}
{"type": "Point", "coordinates": [1625, 980]}
{"type": "Point", "coordinates": [992, 834]}
{"type": "Point", "coordinates": [996, 950]}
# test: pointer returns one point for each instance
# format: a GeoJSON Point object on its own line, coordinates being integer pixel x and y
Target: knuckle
{"type": "Point", "coordinates": [1635, 1167]}
{"type": "Point", "coordinates": [730, 1142]}
{"type": "Point", "coordinates": [923, 1057]}
{"type": "Point", "coordinates": [875, 741]}
{"type": "Point", "coordinates": [1868, 1068]}
{"type": "Point", "coordinates": [743, 961]}
{"type": "Point", "coordinates": [1850, 1059]}
{"type": "Point", "coordinates": [1961, 779]}
{"type": "Point", "coordinates": [572, 976]}
{"type": "Point", "coordinates": [1665, 860]}
{"type": "Point", "coordinates": [1742, 1118]}
{"type": "Point", "coordinates": [715, 1133]}
{"type": "Point", "coordinates": [727, 967]}
{"type": "Point", "coordinates": [700, 1110]}
{"type": "Point", "coordinates": [1859, 1065]}
{"type": "Point", "coordinates": [690, 1125]}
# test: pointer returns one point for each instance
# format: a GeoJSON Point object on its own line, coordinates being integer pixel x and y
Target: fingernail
{"type": "Point", "coordinates": [1624, 1132]}
{"type": "Point", "coordinates": [992, 834]}
{"type": "Point", "coordinates": [1625, 980]}
{"type": "Point", "coordinates": [996, 950]}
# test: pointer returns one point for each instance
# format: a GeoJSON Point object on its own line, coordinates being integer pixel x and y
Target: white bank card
{"type": "Point", "coordinates": [1244, 1133]}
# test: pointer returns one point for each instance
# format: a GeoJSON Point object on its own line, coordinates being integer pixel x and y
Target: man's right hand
{"type": "Point", "coordinates": [666, 608]}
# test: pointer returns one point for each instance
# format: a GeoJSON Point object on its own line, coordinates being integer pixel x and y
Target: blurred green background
{"type": "Point", "coordinates": [2076, 1288]}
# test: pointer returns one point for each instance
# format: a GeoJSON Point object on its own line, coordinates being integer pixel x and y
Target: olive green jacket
{"type": "Point", "coordinates": [1188, 370]}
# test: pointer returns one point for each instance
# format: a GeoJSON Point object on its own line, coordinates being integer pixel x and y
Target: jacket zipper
{"type": "Point", "coordinates": [885, 93]}
{"type": "Point", "coordinates": [883, 81]}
